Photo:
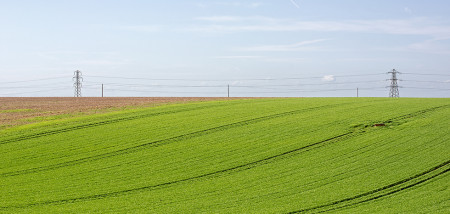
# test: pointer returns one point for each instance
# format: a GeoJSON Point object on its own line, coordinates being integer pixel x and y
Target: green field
{"type": "Point", "coordinates": [287, 155]}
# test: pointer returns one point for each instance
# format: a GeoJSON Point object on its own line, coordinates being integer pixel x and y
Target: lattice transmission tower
{"type": "Point", "coordinates": [393, 92]}
{"type": "Point", "coordinates": [77, 84]}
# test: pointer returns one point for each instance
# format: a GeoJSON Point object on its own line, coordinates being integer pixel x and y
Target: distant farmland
{"type": "Point", "coordinates": [26, 110]}
{"type": "Point", "coordinates": [286, 155]}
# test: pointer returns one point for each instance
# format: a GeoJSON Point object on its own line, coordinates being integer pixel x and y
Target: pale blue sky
{"type": "Point", "coordinates": [292, 44]}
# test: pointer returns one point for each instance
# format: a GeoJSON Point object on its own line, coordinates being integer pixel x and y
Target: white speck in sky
{"type": "Point", "coordinates": [328, 78]}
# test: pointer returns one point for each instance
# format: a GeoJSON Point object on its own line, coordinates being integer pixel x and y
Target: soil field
{"type": "Point", "coordinates": [25, 110]}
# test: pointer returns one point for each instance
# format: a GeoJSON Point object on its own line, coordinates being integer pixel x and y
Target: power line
{"type": "Point", "coordinates": [290, 91]}
{"type": "Point", "coordinates": [145, 91]}
{"type": "Point", "coordinates": [244, 79]}
{"type": "Point", "coordinates": [224, 85]}
{"type": "Point", "coordinates": [39, 86]}
{"type": "Point", "coordinates": [336, 89]}
{"type": "Point", "coordinates": [303, 84]}
{"type": "Point", "coordinates": [424, 81]}
{"type": "Point", "coordinates": [448, 75]}
{"type": "Point", "coordinates": [22, 81]}
{"type": "Point", "coordinates": [221, 86]}
{"type": "Point", "coordinates": [440, 89]}
{"type": "Point", "coordinates": [306, 91]}
{"type": "Point", "coordinates": [147, 85]}
{"type": "Point", "coordinates": [32, 92]}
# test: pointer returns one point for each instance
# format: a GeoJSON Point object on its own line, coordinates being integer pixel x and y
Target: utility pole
{"type": "Point", "coordinates": [393, 92]}
{"type": "Point", "coordinates": [357, 92]}
{"type": "Point", "coordinates": [228, 90]}
{"type": "Point", "coordinates": [77, 84]}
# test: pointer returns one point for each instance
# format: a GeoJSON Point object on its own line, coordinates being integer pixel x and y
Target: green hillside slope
{"type": "Point", "coordinates": [244, 156]}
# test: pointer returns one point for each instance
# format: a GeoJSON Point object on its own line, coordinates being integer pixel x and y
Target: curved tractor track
{"type": "Point", "coordinates": [387, 190]}
{"type": "Point", "coordinates": [368, 196]}
{"type": "Point", "coordinates": [100, 123]}
{"type": "Point", "coordinates": [161, 142]}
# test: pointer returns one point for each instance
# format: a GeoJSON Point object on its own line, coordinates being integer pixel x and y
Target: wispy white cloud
{"type": "Point", "coordinates": [237, 57]}
{"type": "Point", "coordinates": [47, 56]}
{"type": "Point", "coordinates": [286, 60]}
{"type": "Point", "coordinates": [220, 18]}
{"type": "Point", "coordinates": [201, 5]}
{"type": "Point", "coordinates": [426, 46]}
{"type": "Point", "coordinates": [429, 46]}
{"type": "Point", "coordinates": [264, 58]}
{"type": "Point", "coordinates": [58, 55]}
{"type": "Point", "coordinates": [291, 47]}
{"type": "Point", "coordinates": [143, 28]}
{"type": "Point", "coordinates": [295, 3]}
{"type": "Point", "coordinates": [253, 4]}
{"type": "Point", "coordinates": [84, 58]}
{"type": "Point", "coordinates": [224, 19]}
{"type": "Point", "coordinates": [414, 26]}
{"type": "Point", "coordinates": [432, 46]}
{"type": "Point", "coordinates": [103, 62]}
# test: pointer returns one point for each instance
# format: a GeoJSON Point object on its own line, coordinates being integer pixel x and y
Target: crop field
{"type": "Point", "coordinates": [26, 110]}
{"type": "Point", "coordinates": [285, 155]}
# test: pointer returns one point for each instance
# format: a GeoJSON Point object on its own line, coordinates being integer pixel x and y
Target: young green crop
{"type": "Point", "coordinates": [261, 156]}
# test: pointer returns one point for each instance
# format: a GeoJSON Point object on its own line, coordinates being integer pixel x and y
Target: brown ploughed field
{"type": "Point", "coordinates": [25, 110]}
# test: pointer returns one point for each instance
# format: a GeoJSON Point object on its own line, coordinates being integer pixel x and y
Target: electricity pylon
{"type": "Point", "coordinates": [393, 92]}
{"type": "Point", "coordinates": [77, 84]}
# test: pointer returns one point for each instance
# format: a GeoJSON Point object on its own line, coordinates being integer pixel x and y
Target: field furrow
{"type": "Point", "coordinates": [105, 122]}
{"type": "Point", "coordinates": [158, 143]}
{"type": "Point", "coordinates": [309, 155]}
{"type": "Point", "coordinates": [393, 188]}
